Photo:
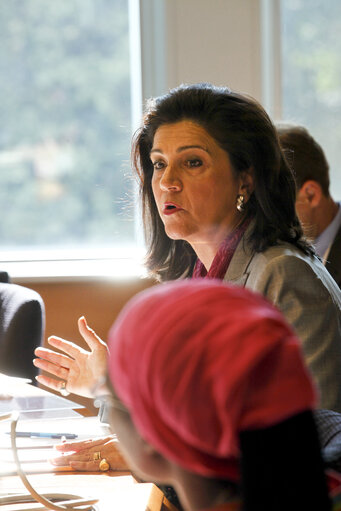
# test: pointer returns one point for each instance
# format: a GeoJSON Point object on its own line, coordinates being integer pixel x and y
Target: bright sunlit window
{"type": "Point", "coordinates": [65, 129]}
{"type": "Point", "coordinates": [311, 74]}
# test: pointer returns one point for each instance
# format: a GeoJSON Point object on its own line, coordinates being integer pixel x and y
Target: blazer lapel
{"type": "Point", "coordinates": [237, 272]}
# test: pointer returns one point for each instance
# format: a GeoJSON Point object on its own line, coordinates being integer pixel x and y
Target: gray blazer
{"type": "Point", "coordinates": [301, 287]}
{"type": "Point", "coordinates": [333, 263]}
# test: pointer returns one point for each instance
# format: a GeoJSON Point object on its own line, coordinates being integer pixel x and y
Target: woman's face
{"type": "Point", "coordinates": [194, 184]}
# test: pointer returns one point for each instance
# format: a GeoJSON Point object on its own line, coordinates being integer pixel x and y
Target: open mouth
{"type": "Point", "coordinates": [170, 208]}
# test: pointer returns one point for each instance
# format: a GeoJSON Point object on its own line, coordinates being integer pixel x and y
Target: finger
{"type": "Point", "coordinates": [55, 358]}
{"type": "Point", "coordinates": [68, 347]}
{"type": "Point", "coordinates": [63, 461]}
{"type": "Point", "coordinates": [72, 446]}
{"type": "Point", "coordinates": [85, 466]}
{"type": "Point", "coordinates": [89, 335]}
{"type": "Point", "coordinates": [51, 383]}
{"type": "Point", "coordinates": [58, 371]}
{"type": "Point", "coordinates": [81, 444]}
{"type": "Point", "coordinates": [95, 442]}
{"type": "Point", "coordinates": [93, 466]}
{"type": "Point", "coordinates": [60, 461]}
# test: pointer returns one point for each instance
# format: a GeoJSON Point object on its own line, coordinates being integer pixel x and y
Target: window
{"type": "Point", "coordinates": [311, 74]}
{"type": "Point", "coordinates": [65, 128]}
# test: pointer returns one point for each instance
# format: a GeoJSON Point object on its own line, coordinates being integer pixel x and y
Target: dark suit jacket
{"type": "Point", "coordinates": [333, 263]}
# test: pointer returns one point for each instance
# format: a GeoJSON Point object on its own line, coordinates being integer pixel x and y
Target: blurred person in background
{"type": "Point", "coordinates": [319, 214]}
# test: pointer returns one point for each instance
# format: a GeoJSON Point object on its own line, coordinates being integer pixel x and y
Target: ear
{"type": "Point", "coordinates": [246, 182]}
{"type": "Point", "coordinates": [310, 192]}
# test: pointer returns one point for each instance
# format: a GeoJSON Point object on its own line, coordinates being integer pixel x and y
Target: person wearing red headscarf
{"type": "Point", "coordinates": [211, 395]}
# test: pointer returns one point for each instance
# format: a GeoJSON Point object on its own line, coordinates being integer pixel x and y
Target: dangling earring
{"type": "Point", "coordinates": [240, 203]}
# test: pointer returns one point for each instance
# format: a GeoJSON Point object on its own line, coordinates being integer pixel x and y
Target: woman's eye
{"type": "Point", "coordinates": [194, 162]}
{"type": "Point", "coordinates": [158, 165]}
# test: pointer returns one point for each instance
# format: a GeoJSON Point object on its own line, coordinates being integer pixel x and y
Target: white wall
{"type": "Point", "coordinates": [218, 41]}
{"type": "Point", "coordinates": [226, 42]}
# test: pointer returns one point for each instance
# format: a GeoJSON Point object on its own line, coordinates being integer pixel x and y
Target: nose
{"type": "Point", "coordinates": [170, 180]}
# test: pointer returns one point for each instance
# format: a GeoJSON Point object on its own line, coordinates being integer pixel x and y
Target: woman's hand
{"type": "Point", "coordinates": [81, 455]}
{"type": "Point", "coordinates": [79, 369]}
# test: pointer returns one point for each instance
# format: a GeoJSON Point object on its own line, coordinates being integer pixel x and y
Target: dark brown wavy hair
{"type": "Point", "coordinates": [241, 127]}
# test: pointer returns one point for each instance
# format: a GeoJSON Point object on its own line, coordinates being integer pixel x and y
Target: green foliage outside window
{"type": "Point", "coordinates": [65, 123]}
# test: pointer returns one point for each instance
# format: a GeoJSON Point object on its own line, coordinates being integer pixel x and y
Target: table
{"type": "Point", "coordinates": [42, 411]}
{"type": "Point", "coordinates": [114, 491]}
{"type": "Point", "coordinates": [33, 402]}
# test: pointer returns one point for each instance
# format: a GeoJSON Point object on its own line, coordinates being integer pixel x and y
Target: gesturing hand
{"type": "Point", "coordinates": [78, 368]}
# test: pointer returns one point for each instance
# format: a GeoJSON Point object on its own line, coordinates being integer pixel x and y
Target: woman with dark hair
{"type": "Point", "coordinates": [204, 397]}
{"type": "Point", "coordinates": [218, 201]}
{"type": "Point", "coordinates": [241, 128]}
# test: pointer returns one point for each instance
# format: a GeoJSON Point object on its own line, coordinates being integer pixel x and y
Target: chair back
{"type": "Point", "coordinates": [22, 325]}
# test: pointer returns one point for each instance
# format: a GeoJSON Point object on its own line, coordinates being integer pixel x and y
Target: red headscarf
{"type": "Point", "coordinates": [196, 362]}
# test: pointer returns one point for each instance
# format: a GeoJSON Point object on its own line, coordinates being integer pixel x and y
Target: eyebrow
{"type": "Point", "coordinates": [182, 148]}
